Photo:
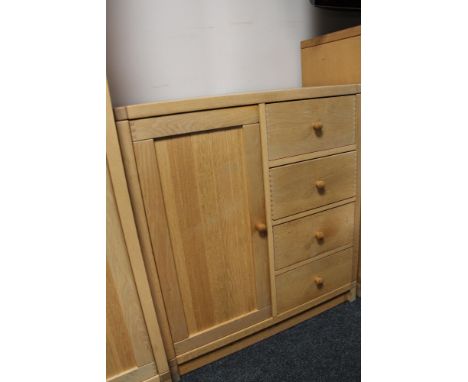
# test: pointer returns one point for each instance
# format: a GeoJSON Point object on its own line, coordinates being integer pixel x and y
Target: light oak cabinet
{"type": "Point", "coordinates": [246, 208]}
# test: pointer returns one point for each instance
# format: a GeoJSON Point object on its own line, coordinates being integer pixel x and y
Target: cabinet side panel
{"type": "Point", "coordinates": [205, 193]}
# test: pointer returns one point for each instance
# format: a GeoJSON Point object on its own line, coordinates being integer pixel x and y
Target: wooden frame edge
{"type": "Point", "coordinates": [123, 130]}
{"type": "Point", "coordinates": [144, 373]}
{"type": "Point", "coordinates": [160, 108]}
{"type": "Point", "coordinates": [269, 222]}
{"type": "Point", "coordinates": [192, 122]}
{"type": "Point", "coordinates": [122, 198]}
{"type": "Point", "coordinates": [331, 37]}
{"type": "Point", "coordinates": [357, 210]}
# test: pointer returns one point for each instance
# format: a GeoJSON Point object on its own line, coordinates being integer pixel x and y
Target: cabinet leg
{"type": "Point", "coordinates": [352, 294]}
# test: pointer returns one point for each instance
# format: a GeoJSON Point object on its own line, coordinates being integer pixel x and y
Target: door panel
{"type": "Point", "coordinates": [212, 188]}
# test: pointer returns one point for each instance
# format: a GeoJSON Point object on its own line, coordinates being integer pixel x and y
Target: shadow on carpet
{"type": "Point", "coordinates": [324, 348]}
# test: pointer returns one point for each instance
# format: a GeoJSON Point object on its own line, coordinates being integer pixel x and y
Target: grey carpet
{"type": "Point", "coordinates": [324, 348]}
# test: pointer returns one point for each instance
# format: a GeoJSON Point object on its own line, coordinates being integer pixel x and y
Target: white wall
{"type": "Point", "coordinates": [169, 49]}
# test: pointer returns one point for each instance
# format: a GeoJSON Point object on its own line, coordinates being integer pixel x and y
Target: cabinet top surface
{"type": "Point", "coordinates": [330, 37]}
{"type": "Point", "coordinates": [154, 109]}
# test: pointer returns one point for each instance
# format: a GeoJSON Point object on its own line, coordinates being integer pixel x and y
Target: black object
{"type": "Point", "coordinates": [338, 4]}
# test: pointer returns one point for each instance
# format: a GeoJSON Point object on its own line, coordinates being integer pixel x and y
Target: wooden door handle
{"type": "Point", "coordinates": [319, 235]}
{"type": "Point", "coordinates": [261, 227]}
{"type": "Point", "coordinates": [317, 126]}
{"type": "Point", "coordinates": [318, 280]}
{"type": "Point", "coordinates": [320, 184]}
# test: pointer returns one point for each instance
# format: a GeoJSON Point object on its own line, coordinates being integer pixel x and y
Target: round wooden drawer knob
{"type": "Point", "coordinates": [318, 281]}
{"type": "Point", "coordinates": [317, 126]}
{"type": "Point", "coordinates": [261, 227]}
{"type": "Point", "coordinates": [320, 184]}
{"type": "Point", "coordinates": [319, 235]}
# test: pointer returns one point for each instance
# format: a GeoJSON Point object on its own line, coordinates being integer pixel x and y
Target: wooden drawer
{"type": "Point", "coordinates": [307, 237]}
{"type": "Point", "coordinates": [296, 187]}
{"type": "Point", "coordinates": [303, 284]}
{"type": "Point", "coordinates": [294, 127]}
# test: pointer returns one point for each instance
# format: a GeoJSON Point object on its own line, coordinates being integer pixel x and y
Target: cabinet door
{"type": "Point", "coordinates": [203, 195]}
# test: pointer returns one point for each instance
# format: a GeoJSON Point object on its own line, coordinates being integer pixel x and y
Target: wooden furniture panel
{"type": "Point", "coordinates": [205, 193]}
{"type": "Point", "coordinates": [154, 279]}
{"type": "Point", "coordinates": [310, 236]}
{"type": "Point", "coordinates": [332, 59]}
{"type": "Point", "coordinates": [307, 126]}
{"type": "Point", "coordinates": [192, 122]}
{"type": "Point", "coordinates": [309, 184]}
{"type": "Point", "coordinates": [127, 342]}
{"type": "Point", "coordinates": [134, 345]}
{"type": "Point", "coordinates": [145, 157]}
{"type": "Point", "coordinates": [311, 280]}
{"type": "Point", "coordinates": [201, 199]}
{"type": "Point", "coordinates": [228, 193]}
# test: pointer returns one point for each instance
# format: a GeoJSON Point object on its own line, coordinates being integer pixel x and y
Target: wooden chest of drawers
{"type": "Point", "coordinates": [246, 208]}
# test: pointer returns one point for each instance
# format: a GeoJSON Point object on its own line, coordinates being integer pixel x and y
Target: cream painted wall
{"type": "Point", "coordinates": [169, 49]}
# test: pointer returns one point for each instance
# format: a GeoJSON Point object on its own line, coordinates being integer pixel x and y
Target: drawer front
{"type": "Point", "coordinates": [303, 284]}
{"type": "Point", "coordinates": [307, 237]}
{"type": "Point", "coordinates": [305, 185]}
{"type": "Point", "coordinates": [301, 127]}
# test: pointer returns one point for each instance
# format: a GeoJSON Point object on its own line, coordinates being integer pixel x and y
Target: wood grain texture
{"type": "Point", "coordinates": [123, 206]}
{"type": "Point", "coordinates": [128, 344]}
{"type": "Point", "coordinates": [192, 122]}
{"type": "Point", "coordinates": [291, 131]}
{"type": "Point", "coordinates": [119, 354]}
{"type": "Point", "coordinates": [296, 287]}
{"type": "Point", "coordinates": [330, 37]}
{"type": "Point", "coordinates": [205, 189]}
{"type": "Point", "coordinates": [150, 183]}
{"type": "Point", "coordinates": [221, 331]}
{"type": "Point", "coordinates": [131, 173]}
{"type": "Point", "coordinates": [154, 109]}
{"type": "Point", "coordinates": [310, 260]}
{"type": "Point", "coordinates": [267, 191]}
{"type": "Point", "coordinates": [254, 173]}
{"type": "Point", "coordinates": [140, 374]}
{"type": "Point", "coordinates": [296, 240]}
{"type": "Point", "coordinates": [293, 187]}
{"type": "Point", "coordinates": [309, 156]}
{"type": "Point", "coordinates": [313, 211]}
{"type": "Point", "coordinates": [332, 63]}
